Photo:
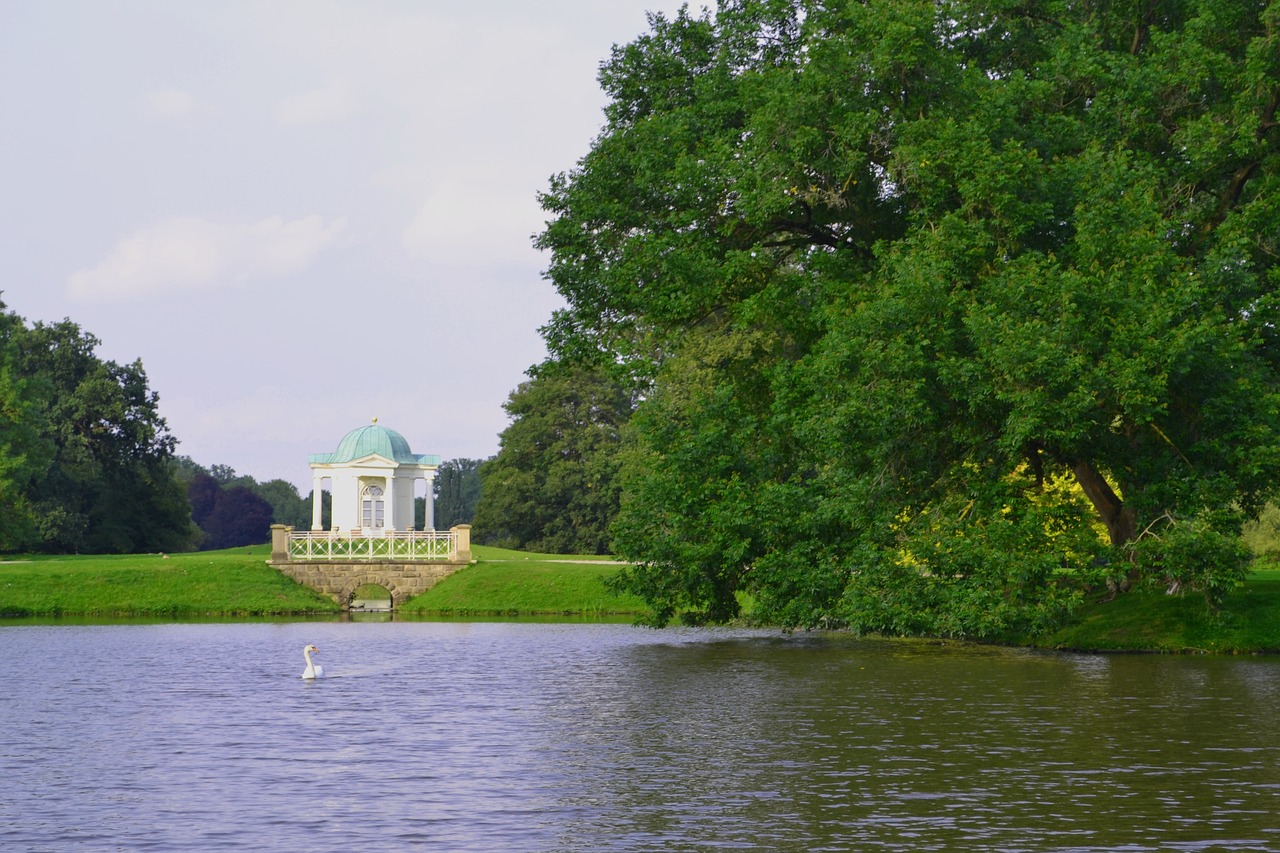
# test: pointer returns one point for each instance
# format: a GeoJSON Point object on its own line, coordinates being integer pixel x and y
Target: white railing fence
{"type": "Point", "coordinates": [383, 545]}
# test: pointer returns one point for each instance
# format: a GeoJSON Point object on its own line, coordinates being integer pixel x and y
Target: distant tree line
{"type": "Point", "coordinates": [87, 464]}
{"type": "Point", "coordinates": [456, 491]}
{"type": "Point", "coordinates": [232, 510]}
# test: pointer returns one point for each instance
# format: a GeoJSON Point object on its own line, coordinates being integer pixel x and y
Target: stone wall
{"type": "Point", "coordinates": [340, 580]}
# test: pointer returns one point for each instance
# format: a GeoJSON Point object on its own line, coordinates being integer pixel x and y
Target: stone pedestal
{"type": "Point", "coordinates": [462, 536]}
{"type": "Point", "coordinates": [280, 542]}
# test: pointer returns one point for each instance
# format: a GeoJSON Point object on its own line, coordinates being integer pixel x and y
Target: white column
{"type": "Point", "coordinates": [316, 483]}
{"type": "Point", "coordinates": [429, 504]}
{"type": "Point", "coordinates": [345, 488]}
{"type": "Point", "coordinates": [389, 520]}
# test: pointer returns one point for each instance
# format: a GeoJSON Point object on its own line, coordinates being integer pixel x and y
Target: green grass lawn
{"type": "Point", "coordinates": [235, 582]}
{"type": "Point", "coordinates": [1249, 622]}
{"type": "Point", "coordinates": [515, 583]}
{"type": "Point", "coordinates": [238, 582]}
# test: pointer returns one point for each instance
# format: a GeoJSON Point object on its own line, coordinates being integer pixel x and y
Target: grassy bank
{"type": "Point", "coordinates": [514, 583]}
{"type": "Point", "coordinates": [1249, 622]}
{"type": "Point", "coordinates": [237, 582]}
{"type": "Point", "coordinates": [211, 583]}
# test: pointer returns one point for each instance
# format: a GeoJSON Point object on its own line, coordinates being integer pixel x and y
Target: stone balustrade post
{"type": "Point", "coordinates": [280, 542]}
{"type": "Point", "coordinates": [462, 539]}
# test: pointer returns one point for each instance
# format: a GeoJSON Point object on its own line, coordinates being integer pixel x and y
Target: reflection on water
{"type": "Point", "coordinates": [528, 737]}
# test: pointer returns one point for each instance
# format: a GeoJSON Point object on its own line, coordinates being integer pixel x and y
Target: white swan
{"type": "Point", "coordinates": [313, 670]}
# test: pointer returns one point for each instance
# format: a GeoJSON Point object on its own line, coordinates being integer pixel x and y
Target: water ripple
{"type": "Point", "coordinates": [523, 737]}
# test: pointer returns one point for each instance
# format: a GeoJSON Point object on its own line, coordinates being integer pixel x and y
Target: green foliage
{"type": "Point", "coordinates": [985, 558]}
{"type": "Point", "coordinates": [23, 451]}
{"type": "Point", "coordinates": [231, 509]}
{"type": "Point", "coordinates": [104, 480]}
{"type": "Point", "coordinates": [1203, 553]}
{"type": "Point", "coordinates": [553, 486]}
{"type": "Point", "coordinates": [287, 506]}
{"type": "Point", "coordinates": [893, 261]}
{"type": "Point", "coordinates": [457, 493]}
{"type": "Point", "coordinates": [704, 478]}
{"type": "Point", "coordinates": [1262, 535]}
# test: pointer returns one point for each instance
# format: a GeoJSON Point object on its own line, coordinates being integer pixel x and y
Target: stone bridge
{"type": "Point", "coordinates": [352, 561]}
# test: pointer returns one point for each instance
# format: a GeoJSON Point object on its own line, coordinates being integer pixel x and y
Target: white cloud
{"type": "Point", "coordinates": [187, 254]}
{"type": "Point", "coordinates": [319, 106]}
{"type": "Point", "coordinates": [274, 247]}
{"type": "Point", "coordinates": [166, 103]}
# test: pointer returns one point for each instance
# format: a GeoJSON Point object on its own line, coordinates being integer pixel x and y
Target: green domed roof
{"type": "Point", "coordinates": [373, 440]}
{"type": "Point", "coordinates": [368, 440]}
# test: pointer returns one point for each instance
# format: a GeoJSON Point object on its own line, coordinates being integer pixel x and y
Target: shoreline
{"type": "Point", "coordinates": [238, 585]}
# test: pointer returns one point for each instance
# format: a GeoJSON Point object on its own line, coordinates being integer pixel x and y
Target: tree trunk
{"type": "Point", "coordinates": [1115, 515]}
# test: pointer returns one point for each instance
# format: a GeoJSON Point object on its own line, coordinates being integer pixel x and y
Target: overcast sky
{"type": "Point", "coordinates": [299, 215]}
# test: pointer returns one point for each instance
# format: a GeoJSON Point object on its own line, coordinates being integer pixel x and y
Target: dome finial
{"type": "Point", "coordinates": [375, 419]}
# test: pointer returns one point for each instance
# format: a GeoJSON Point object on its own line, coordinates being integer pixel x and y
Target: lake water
{"type": "Point", "coordinates": [541, 737]}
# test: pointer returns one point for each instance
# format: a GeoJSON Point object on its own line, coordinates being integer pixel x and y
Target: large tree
{"type": "Point", "coordinates": [24, 452]}
{"type": "Point", "coordinates": [929, 293]}
{"type": "Point", "coordinates": [553, 485]}
{"type": "Point", "coordinates": [110, 484]}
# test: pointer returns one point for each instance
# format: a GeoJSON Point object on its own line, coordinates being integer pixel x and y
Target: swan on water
{"type": "Point", "coordinates": [313, 670]}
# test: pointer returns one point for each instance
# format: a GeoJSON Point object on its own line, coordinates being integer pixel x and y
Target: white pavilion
{"type": "Point", "coordinates": [372, 478]}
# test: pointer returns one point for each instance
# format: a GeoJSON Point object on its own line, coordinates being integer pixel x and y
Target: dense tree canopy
{"type": "Point", "coordinates": [456, 493]}
{"type": "Point", "coordinates": [235, 509]}
{"type": "Point", "coordinates": [228, 515]}
{"type": "Point", "coordinates": [949, 308]}
{"type": "Point", "coordinates": [287, 506]}
{"type": "Point", "coordinates": [24, 452]}
{"type": "Point", "coordinates": [95, 455]}
{"type": "Point", "coordinates": [553, 485]}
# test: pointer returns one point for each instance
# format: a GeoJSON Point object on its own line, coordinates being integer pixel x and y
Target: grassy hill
{"type": "Point", "coordinates": [1249, 622]}
{"type": "Point", "coordinates": [237, 582]}
{"type": "Point", "coordinates": [515, 583]}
